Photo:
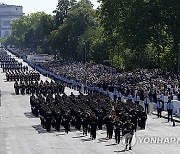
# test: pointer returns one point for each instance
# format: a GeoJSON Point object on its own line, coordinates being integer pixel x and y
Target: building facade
{"type": "Point", "coordinates": [7, 14]}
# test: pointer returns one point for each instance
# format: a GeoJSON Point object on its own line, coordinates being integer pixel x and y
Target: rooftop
{"type": "Point", "coordinates": [6, 5]}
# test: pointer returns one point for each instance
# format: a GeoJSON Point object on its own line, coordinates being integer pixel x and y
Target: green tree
{"type": "Point", "coordinates": [62, 9]}
{"type": "Point", "coordinates": [32, 31]}
{"type": "Point", "coordinates": [80, 16]}
{"type": "Point", "coordinates": [147, 29]}
{"type": "Point", "coordinates": [92, 46]}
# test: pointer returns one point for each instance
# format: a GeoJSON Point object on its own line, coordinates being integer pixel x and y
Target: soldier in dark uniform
{"type": "Point", "coordinates": [109, 126]}
{"type": "Point", "coordinates": [48, 120]}
{"type": "Point", "coordinates": [32, 103]}
{"type": "Point", "coordinates": [78, 121]}
{"type": "Point", "coordinates": [93, 127]}
{"type": "Point", "coordinates": [117, 131]}
{"type": "Point", "coordinates": [143, 119]}
{"type": "Point", "coordinates": [85, 123]}
{"type": "Point", "coordinates": [134, 119]}
{"type": "Point", "coordinates": [66, 122]}
{"type": "Point", "coordinates": [107, 121]}
{"type": "Point", "coordinates": [7, 75]}
{"type": "Point", "coordinates": [22, 88]}
{"type": "Point", "coordinates": [100, 119]}
{"type": "Point", "coordinates": [27, 87]}
{"type": "Point", "coordinates": [58, 120]}
{"type": "Point", "coordinates": [16, 87]}
{"type": "Point", "coordinates": [36, 85]}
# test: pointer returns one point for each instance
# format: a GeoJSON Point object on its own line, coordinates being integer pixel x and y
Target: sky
{"type": "Point", "coordinates": [31, 6]}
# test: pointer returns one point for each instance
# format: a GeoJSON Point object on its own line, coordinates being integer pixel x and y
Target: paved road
{"type": "Point", "coordinates": [21, 133]}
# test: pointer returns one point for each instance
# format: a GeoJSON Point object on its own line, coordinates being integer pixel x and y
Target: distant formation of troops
{"type": "Point", "coordinates": [38, 87]}
{"type": "Point", "coordinates": [22, 76]}
{"type": "Point", "coordinates": [10, 64]}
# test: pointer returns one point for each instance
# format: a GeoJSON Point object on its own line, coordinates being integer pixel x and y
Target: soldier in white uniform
{"type": "Point", "coordinates": [136, 98]}
{"type": "Point", "coordinates": [146, 104]}
{"type": "Point", "coordinates": [159, 108]}
{"type": "Point", "coordinates": [170, 109]}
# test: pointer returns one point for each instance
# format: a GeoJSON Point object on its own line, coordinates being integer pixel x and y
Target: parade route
{"type": "Point", "coordinates": [21, 133]}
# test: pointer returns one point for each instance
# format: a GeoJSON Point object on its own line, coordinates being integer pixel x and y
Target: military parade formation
{"type": "Point", "coordinates": [112, 105]}
{"type": "Point", "coordinates": [88, 113]}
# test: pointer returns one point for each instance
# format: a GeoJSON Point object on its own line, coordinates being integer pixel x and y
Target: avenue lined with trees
{"type": "Point", "coordinates": [126, 33]}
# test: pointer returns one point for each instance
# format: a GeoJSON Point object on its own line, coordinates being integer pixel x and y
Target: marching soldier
{"type": "Point", "coordinates": [66, 122]}
{"type": "Point", "coordinates": [16, 87]}
{"type": "Point", "coordinates": [22, 88]}
{"type": "Point", "coordinates": [32, 103]}
{"type": "Point", "coordinates": [58, 120]}
{"type": "Point", "coordinates": [143, 119]}
{"type": "Point", "coordinates": [48, 120]}
{"type": "Point", "coordinates": [85, 123]}
{"type": "Point", "coordinates": [117, 131]}
{"type": "Point", "coordinates": [93, 127]}
{"type": "Point", "coordinates": [134, 120]}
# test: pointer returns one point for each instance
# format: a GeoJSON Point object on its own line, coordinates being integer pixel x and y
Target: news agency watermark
{"type": "Point", "coordinates": [148, 140]}
{"type": "Point", "coordinates": [158, 140]}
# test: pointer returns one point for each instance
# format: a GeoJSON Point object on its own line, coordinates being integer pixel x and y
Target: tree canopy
{"type": "Point", "coordinates": [123, 33]}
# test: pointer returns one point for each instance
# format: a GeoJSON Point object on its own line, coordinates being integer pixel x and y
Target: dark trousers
{"type": "Point", "coordinates": [115, 98]}
{"type": "Point", "coordinates": [159, 112]}
{"type": "Point", "coordinates": [128, 141]}
{"type": "Point", "coordinates": [170, 114]}
{"type": "Point", "coordinates": [117, 135]}
{"type": "Point", "coordinates": [146, 108]}
{"type": "Point", "coordinates": [137, 102]}
{"type": "Point", "coordinates": [85, 128]}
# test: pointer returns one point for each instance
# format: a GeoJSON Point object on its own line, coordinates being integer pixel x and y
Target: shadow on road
{"type": "Point", "coordinates": [121, 151]}
{"type": "Point", "coordinates": [13, 94]}
{"type": "Point", "coordinates": [77, 136]}
{"type": "Point", "coordinates": [61, 134]}
{"type": "Point", "coordinates": [111, 144]}
{"type": "Point", "coordinates": [85, 140]}
{"type": "Point", "coordinates": [39, 128]}
{"type": "Point", "coordinates": [29, 115]}
{"type": "Point", "coordinates": [103, 139]}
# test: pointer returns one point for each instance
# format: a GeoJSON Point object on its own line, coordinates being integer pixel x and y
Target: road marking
{"type": "Point", "coordinates": [9, 152]}
{"type": "Point", "coordinates": [7, 143]}
{"type": "Point", "coordinates": [8, 147]}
